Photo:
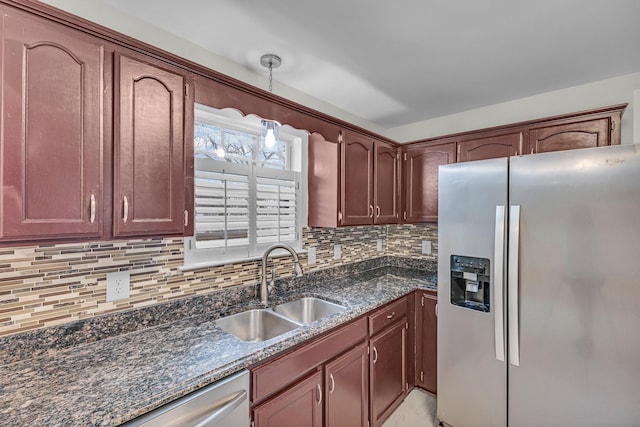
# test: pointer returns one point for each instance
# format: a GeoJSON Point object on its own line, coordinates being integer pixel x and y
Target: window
{"type": "Point", "coordinates": [247, 196]}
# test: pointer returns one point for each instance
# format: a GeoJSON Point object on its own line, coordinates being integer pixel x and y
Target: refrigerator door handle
{"type": "Point", "coordinates": [498, 278]}
{"type": "Point", "coordinates": [513, 309]}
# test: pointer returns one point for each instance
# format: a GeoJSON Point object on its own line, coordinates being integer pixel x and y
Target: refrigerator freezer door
{"type": "Point", "coordinates": [579, 289]}
{"type": "Point", "coordinates": [471, 379]}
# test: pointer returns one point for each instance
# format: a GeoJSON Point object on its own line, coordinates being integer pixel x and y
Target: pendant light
{"type": "Point", "coordinates": [270, 128]}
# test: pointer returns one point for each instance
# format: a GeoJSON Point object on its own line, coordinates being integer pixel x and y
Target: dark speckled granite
{"type": "Point", "coordinates": [112, 380]}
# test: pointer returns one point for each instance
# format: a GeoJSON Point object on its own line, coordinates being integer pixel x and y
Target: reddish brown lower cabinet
{"type": "Point", "coordinates": [299, 406]}
{"type": "Point", "coordinates": [355, 374]}
{"type": "Point", "coordinates": [426, 340]}
{"type": "Point", "coordinates": [388, 358]}
{"type": "Point", "coordinates": [388, 370]}
{"type": "Point", "coordinates": [332, 369]}
{"type": "Point", "coordinates": [347, 385]}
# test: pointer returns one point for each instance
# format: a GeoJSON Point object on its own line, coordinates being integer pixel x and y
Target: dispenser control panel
{"type": "Point", "coordinates": [470, 282]}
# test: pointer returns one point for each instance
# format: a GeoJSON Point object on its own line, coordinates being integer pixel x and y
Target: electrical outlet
{"type": "Point", "coordinates": [337, 251]}
{"type": "Point", "coordinates": [118, 285]}
{"type": "Point", "coordinates": [379, 245]}
{"type": "Point", "coordinates": [426, 247]}
{"type": "Point", "coordinates": [311, 256]}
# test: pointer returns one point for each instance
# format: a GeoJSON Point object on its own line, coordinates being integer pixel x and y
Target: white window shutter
{"type": "Point", "coordinates": [276, 201]}
{"type": "Point", "coordinates": [222, 208]}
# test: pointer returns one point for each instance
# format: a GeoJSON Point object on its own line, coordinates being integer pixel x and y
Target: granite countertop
{"type": "Point", "coordinates": [116, 379]}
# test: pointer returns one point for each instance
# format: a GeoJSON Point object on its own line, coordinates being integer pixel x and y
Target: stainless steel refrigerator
{"type": "Point", "coordinates": [539, 290]}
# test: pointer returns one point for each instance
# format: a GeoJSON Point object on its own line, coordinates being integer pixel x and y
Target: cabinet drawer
{"type": "Point", "coordinates": [269, 378]}
{"type": "Point", "coordinates": [387, 316]}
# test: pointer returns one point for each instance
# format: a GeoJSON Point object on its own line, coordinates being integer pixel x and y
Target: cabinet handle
{"type": "Point", "coordinates": [332, 386]}
{"type": "Point", "coordinates": [390, 316]}
{"type": "Point", "coordinates": [186, 218]}
{"type": "Point", "coordinates": [377, 211]}
{"type": "Point", "coordinates": [319, 394]}
{"type": "Point", "coordinates": [125, 215]}
{"type": "Point", "coordinates": [371, 211]}
{"type": "Point", "coordinates": [532, 150]}
{"type": "Point", "coordinates": [92, 214]}
{"type": "Point", "coordinates": [375, 355]}
{"type": "Point", "coordinates": [436, 309]}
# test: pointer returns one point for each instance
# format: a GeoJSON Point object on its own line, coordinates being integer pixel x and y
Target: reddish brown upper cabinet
{"type": "Point", "coordinates": [594, 130]}
{"type": "Point", "coordinates": [352, 182]}
{"type": "Point", "coordinates": [149, 152]}
{"type": "Point", "coordinates": [323, 181]}
{"type": "Point", "coordinates": [386, 184]}
{"type": "Point", "coordinates": [357, 180]}
{"type": "Point", "coordinates": [426, 340]}
{"type": "Point", "coordinates": [490, 145]}
{"type": "Point", "coordinates": [421, 164]}
{"type": "Point", "coordinates": [53, 80]}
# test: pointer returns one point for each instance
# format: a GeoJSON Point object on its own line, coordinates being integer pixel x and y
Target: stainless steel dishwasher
{"type": "Point", "coordinates": [224, 403]}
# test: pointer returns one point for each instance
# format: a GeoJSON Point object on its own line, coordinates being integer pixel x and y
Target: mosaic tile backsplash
{"type": "Point", "coordinates": [43, 286]}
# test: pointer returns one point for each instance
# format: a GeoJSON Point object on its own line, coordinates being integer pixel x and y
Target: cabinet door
{"type": "Point", "coordinates": [584, 134]}
{"type": "Point", "coordinates": [426, 341]}
{"type": "Point", "coordinates": [300, 406]}
{"type": "Point", "coordinates": [324, 179]}
{"type": "Point", "coordinates": [149, 150]}
{"type": "Point", "coordinates": [51, 148]}
{"type": "Point", "coordinates": [388, 371]}
{"type": "Point", "coordinates": [357, 181]}
{"type": "Point", "coordinates": [347, 385]}
{"type": "Point", "coordinates": [386, 184]}
{"type": "Point", "coordinates": [490, 147]}
{"type": "Point", "coordinates": [421, 180]}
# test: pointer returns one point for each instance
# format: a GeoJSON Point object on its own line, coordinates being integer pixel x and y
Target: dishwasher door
{"type": "Point", "coordinates": [222, 404]}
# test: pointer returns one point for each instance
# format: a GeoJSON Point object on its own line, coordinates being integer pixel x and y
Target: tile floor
{"type": "Point", "coordinates": [418, 409]}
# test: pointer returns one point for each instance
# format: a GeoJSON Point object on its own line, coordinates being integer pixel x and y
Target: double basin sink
{"type": "Point", "coordinates": [267, 323]}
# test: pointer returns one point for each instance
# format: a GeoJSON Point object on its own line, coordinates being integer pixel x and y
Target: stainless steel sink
{"type": "Point", "coordinates": [256, 325]}
{"type": "Point", "coordinates": [309, 309]}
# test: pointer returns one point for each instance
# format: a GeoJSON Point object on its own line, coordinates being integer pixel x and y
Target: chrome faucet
{"type": "Point", "coordinates": [264, 287]}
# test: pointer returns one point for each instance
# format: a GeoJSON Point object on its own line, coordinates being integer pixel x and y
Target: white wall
{"type": "Point", "coordinates": [618, 90]}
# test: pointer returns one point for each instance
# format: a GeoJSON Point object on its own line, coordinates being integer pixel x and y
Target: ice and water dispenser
{"type": "Point", "coordinates": [470, 282]}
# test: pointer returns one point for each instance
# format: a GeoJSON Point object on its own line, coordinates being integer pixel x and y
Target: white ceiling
{"type": "Point", "coordinates": [398, 62]}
